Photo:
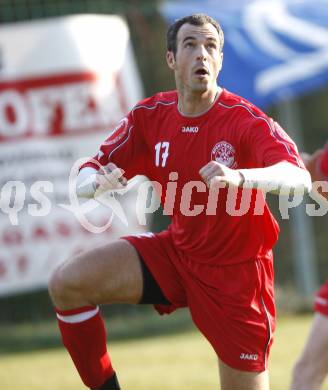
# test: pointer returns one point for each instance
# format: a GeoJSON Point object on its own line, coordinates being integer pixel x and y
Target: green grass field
{"type": "Point", "coordinates": [178, 361]}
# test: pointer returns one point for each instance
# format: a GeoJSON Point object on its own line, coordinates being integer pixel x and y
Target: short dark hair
{"type": "Point", "coordinates": [195, 20]}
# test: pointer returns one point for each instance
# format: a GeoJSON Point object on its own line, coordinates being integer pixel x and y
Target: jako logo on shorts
{"type": "Point", "coordinates": [249, 356]}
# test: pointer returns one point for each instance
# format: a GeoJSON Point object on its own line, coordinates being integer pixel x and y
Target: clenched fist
{"type": "Point", "coordinates": [109, 178]}
{"type": "Point", "coordinates": [214, 173]}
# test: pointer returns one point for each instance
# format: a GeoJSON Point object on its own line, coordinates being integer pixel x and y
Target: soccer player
{"type": "Point", "coordinates": [214, 259]}
{"type": "Point", "coordinates": [312, 367]}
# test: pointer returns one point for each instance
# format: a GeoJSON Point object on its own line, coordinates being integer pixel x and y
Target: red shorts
{"type": "Point", "coordinates": [233, 306]}
{"type": "Point", "coordinates": [321, 300]}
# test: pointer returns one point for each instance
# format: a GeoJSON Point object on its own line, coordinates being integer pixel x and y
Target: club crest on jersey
{"type": "Point", "coordinates": [224, 153]}
{"type": "Point", "coordinates": [118, 133]}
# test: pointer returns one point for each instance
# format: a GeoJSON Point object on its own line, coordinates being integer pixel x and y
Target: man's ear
{"type": "Point", "coordinates": [170, 60]}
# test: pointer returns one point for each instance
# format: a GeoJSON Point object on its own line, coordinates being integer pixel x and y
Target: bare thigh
{"type": "Point", "coordinates": [108, 274]}
{"type": "Point", "coordinates": [231, 378]}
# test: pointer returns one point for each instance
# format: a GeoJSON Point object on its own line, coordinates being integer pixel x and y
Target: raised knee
{"type": "Point", "coordinates": [55, 285]}
{"type": "Point", "coordinates": [60, 287]}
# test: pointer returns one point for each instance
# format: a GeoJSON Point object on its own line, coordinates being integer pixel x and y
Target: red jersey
{"type": "Point", "coordinates": [155, 139]}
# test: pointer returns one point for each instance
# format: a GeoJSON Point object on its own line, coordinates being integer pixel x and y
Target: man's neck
{"type": "Point", "coordinates": [194, 104]}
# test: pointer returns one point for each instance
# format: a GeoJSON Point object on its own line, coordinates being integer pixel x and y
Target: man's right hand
{"type": "Point", "coordinates": [109, 178]}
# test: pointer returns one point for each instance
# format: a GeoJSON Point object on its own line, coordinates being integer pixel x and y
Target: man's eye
{"type": "Point", "coordinates": [189, 44]}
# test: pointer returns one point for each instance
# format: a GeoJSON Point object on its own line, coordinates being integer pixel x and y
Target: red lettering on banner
{"type": "Point", "coordinates": [12, 237]}
{"type": "Point", "coordinates": [60, 229]}
{"type": "Point", "coordinates": [40, 232]}
{"type": "Point", "coordinates": [59, 105]}
{"type": "Point", "coordinates": [63, 229]}
{"type": "Point", "coordinates": [10, 114]}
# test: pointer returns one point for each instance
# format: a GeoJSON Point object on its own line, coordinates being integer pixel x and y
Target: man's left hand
{"type": "Point", "coordinates": [214, 173]}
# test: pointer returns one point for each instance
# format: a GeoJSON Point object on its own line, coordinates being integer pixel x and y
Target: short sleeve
{"type": "Point", "coordinates": [125, 147]}
{"type": "Point", "coordinates": [268, 144]}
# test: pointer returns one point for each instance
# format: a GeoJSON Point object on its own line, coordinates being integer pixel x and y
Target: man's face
{"type": "Point", "coordinates": [198, 58]}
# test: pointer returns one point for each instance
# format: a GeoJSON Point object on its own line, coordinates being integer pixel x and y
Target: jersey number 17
{"type": "Point", "coordinates": [161, 153]}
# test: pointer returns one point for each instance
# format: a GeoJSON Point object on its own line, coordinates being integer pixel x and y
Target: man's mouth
{"type": "Point", "coordinates": [202, 71]}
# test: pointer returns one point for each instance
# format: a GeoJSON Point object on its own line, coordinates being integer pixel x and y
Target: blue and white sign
{"type": "Point", "coordinates": [272, 47]}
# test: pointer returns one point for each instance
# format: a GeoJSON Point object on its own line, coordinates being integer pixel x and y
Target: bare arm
{"type": "Point", "coordinates": [280, 178]}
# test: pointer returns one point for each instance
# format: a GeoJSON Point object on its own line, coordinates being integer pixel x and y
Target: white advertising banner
{"type": "Point", "coordinates": [65, 83]}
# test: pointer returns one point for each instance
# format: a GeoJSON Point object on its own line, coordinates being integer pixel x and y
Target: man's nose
{"type": "Point", "coordinates": [201, 53]}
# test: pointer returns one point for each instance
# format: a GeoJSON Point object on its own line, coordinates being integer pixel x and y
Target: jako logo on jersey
{"type": "Point", "coordinates": [190, 129]}
{"type": "Point", "coordinates": [224, 153]}
{"type": "Point", "coordinates": [249, 356]}
{"type": "Point", "coordinates": [118, 133]}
